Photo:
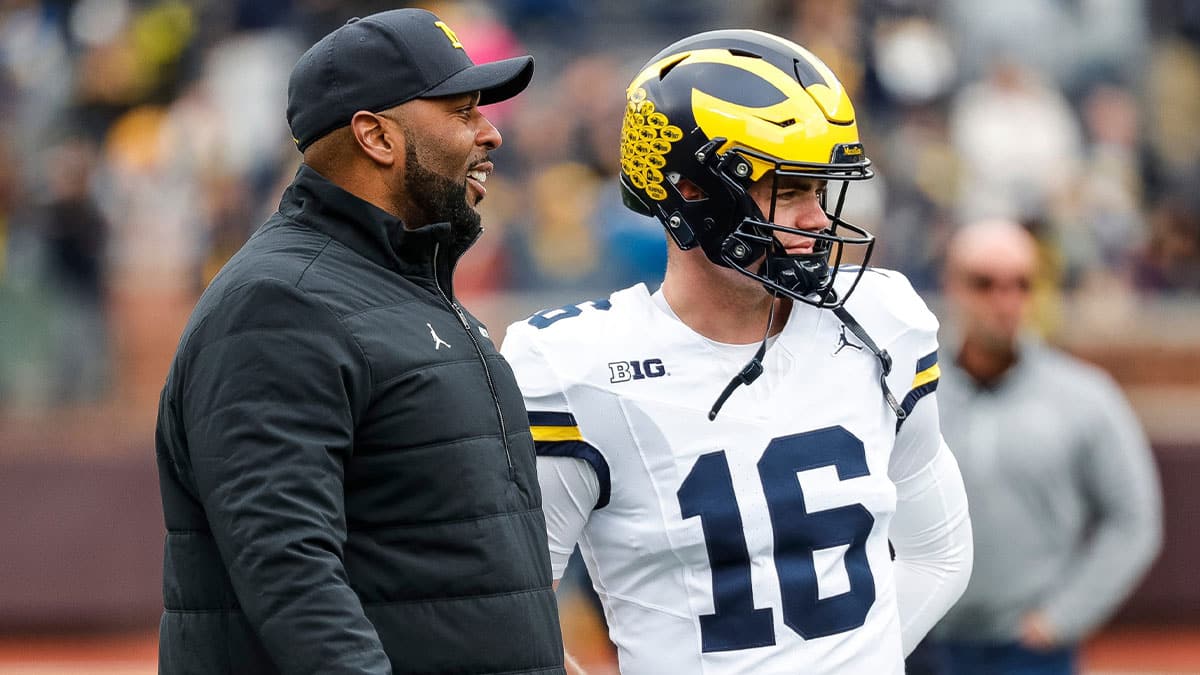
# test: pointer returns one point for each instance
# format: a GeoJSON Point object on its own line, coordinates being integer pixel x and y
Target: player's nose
{"type": "Point", "coordinates": [810, 217]}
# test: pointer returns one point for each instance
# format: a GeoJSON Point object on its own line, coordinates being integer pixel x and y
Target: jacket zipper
{"type": "Point", "coordinates": [478, 351]}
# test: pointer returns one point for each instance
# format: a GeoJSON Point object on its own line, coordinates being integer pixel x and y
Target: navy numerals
{"type": "Point", "coordinates": [707, 493]}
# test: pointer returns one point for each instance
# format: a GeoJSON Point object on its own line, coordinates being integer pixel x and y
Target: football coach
{"type": "Point", "coordinates": [347, 475]}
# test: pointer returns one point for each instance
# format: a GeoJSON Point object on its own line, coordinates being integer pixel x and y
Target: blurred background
{"type": "Point", "coordinates": [142, 141]}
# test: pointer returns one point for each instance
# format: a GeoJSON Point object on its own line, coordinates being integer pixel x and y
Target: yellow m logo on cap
{"type": "Point", "coordinates": [449, 34]}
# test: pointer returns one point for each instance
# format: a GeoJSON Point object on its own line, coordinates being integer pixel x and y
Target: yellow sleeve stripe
{"type": "Point", "coordinates": [926, 376]}
{"type": "Point", "coordinates": [551, 434]}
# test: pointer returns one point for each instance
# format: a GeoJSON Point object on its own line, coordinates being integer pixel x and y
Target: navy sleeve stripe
{"type": "Point", "coordinates": [915, 395]}
{"type": "Point", "coordinates": [589, 454]}
{"type": "Point", "coordinates": [927, 362]}
{"type": "Point", "coordinates": [551, 419]}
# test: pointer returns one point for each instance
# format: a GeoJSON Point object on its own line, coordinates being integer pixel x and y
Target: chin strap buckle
{"type": "Point", "coordinates": [749, 372]}
{"type": "Point", "coordinates": [748, 375]}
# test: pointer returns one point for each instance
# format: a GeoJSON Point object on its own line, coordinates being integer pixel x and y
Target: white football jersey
{"type": "Point", "coordinates": [755, 543]}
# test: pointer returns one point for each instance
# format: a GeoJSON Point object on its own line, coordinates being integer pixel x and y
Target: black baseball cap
{"type": "Point", "coordinates": [386, 59]}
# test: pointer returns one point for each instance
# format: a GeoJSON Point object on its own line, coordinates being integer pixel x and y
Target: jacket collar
{"type": "Point", "coordinates": [428, 252]}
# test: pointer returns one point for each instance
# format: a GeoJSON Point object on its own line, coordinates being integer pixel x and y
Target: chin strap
{"type": "Point", "coordinates": [749, 373]}
{"type": "Point", "coordinates": [885, 359]}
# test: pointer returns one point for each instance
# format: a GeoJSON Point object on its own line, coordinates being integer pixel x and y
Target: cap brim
{"type": "Point", "coordinates": [495, 81]}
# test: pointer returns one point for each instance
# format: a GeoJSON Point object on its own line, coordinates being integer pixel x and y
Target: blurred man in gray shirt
{"type": "Point", "coordinates": [1063, 491]}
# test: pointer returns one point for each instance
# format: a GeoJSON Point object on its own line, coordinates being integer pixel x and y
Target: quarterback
{"type": "Point", "coordinates": [734, 451]}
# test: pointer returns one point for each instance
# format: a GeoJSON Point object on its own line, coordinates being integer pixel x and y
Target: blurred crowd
{"type": "Point", "coordinates": [142, 141]}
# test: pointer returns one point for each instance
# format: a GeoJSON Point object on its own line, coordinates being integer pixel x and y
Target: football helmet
{"type": "Point", "coordinates": [724, 109]}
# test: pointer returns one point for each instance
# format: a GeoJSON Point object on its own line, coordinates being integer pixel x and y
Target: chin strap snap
{"type": "Point", "coordinates": [747, 376]}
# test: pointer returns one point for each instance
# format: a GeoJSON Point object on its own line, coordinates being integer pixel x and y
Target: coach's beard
{"type": "Point", "coordinates": [438, 198]}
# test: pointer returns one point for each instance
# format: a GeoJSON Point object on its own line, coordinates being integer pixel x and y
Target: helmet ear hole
{"type": "Point", "coordinates": [689, 190]}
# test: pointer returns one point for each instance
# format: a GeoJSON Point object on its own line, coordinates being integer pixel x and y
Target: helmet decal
{"type": "Point", "coordinates": [646, 138]}
{"type": "Point", "coordinates": [722, 80]}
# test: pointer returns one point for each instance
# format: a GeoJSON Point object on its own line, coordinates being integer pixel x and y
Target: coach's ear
{"type": "Point", "coordinates": [379, 137]}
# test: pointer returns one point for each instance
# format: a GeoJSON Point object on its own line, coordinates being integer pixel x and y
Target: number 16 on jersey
{"type": "Point", "coordinates": [707, 493]}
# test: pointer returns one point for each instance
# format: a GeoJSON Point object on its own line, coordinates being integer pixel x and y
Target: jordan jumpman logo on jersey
{"type": "Point", "coordinates": [843, 343]}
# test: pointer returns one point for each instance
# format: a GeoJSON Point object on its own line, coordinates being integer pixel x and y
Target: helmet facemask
{"type": "Point", "coordinates": [806, 277]}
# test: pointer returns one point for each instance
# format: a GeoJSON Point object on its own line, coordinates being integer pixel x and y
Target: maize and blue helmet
{"type": "Point", "coordinates": [722, 110]}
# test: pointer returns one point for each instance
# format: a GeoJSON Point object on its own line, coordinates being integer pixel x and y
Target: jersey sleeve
{"type": "Point", "coordinates": [569, 493]}
{"type": "Point", "coordinates": [931, 531]}
{"type": "Point", "coordinates": [552, 423]}
{"type": "Point", "coordinates": [540, 385]}
{"type": "Point", "coordinates": [914, 379]}
{"type": "Point", "coordinates": [931, 534]}
{"type": "Point", "coordinates": [572, 474]}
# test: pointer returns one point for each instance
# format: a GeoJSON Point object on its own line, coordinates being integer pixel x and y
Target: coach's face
{"type": "Point", "coordinates": [445, 165]}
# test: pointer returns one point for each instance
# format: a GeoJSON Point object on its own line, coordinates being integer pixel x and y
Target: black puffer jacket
{"type": "Point", "coordinates": [347, 473]}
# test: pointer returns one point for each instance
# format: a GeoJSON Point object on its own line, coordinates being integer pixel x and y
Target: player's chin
{"type": "Point", "coordinates": [741, 280]}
